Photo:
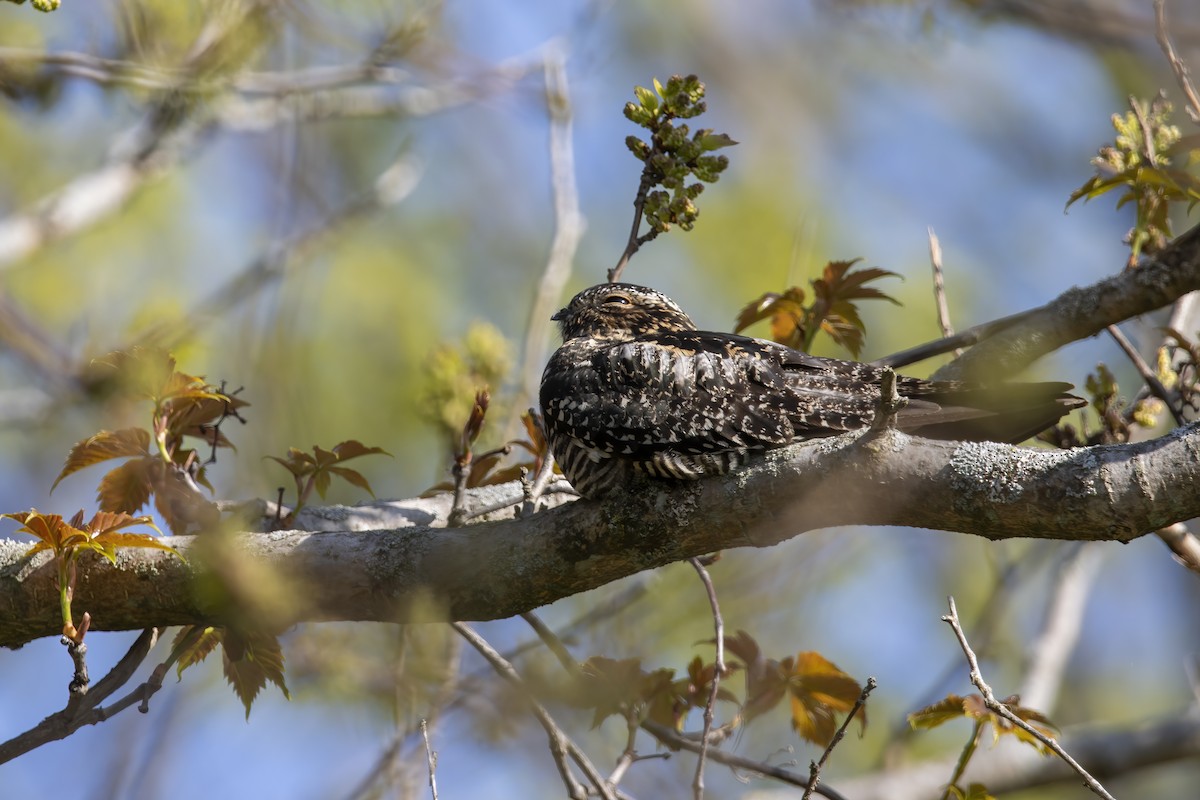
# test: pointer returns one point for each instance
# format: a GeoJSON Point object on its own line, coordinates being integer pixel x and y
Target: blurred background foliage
{"type": "Point", "coordinates": [253, 234]}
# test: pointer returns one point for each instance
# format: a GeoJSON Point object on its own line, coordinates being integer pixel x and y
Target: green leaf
{"type": "Point", "coordinates": [646, 98]}
{"type": "Point", "coordinates": [198, 650]}
{"type": "Point", "coordinates": [715, 141]}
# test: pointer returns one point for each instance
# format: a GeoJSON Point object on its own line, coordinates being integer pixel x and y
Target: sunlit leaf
{"type": "Point", "coordinates": [818, 690]}
{"type": "Point", "coordinates": [948, 708]}
{"type": "Point", "coordinates": [103, 446]}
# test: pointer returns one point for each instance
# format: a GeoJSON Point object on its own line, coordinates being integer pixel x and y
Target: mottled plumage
{"type": "Point", "coordinates": [635, 388]}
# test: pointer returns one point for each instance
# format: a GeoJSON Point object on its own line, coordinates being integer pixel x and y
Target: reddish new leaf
{"type": "Point", "coordinates": [127, 487]}
{"type": "Point", "coordinates": [103, 446]}
{"type": "Point", "coordinates": [352, 448]}
{"type": "Point", "coordinates": [249, 661]}
{"type": "Point", "coordinates": [352, 477]}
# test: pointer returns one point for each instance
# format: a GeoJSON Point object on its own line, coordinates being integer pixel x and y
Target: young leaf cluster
{"type": "Point", "coordinates": [41, 5]}
{"type": "Point", "coordinates": [833, 308]}
{"type": "Point", "coordinates": [453, 373]}
{"type": "Point", "coordinates": [317, 470]}
{"type": "Point", "coordinates": [674, 156]}
{"type": "Point", "coordinates": [972, 707]}
{"type": "Point", "coordinates": [161, 462]}
{"type": "Point", "coordinates": [102, 534]}
{"type": "Point", "coordinates": [1118, 417]}
{"type": "Point", "coordinates": [1151, 161]}
{"type": "Point", "coordinates": [489, 468]}
{"type": "Point", "coordinates": [816, 689]}
{"type": "Point", "coordinates": [249, 659]}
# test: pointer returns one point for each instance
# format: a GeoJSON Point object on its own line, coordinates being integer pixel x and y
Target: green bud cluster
{"type": "Point", "coordinates": [674, 156]}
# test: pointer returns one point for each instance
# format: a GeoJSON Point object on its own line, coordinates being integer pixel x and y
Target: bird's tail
{"type": "Point", "coordinates": [1010, 412]}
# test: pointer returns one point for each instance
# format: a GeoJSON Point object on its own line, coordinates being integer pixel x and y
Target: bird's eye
{"type": "Point", "coordinates": [616, 300]}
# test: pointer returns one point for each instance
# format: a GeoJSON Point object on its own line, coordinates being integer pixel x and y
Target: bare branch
{"type": "Point", "coordinates": [1011, 766]}
{"type": "Point", "coordinates": [989, 699]}
{"type": "Point", "coordinates": [84, 710]}
{"type": "Point", "coordinates": [1147, 374]}
{"type": "Point", "coordinates": [814, 771]}
{"type": "Point", "coordinates": [718, 673]}
{"type": "Point", "coordinates": [672, 738]}
{"type": "Point", "coordinates": [1005, 346]}
{"type": "Point", "coordinates": [939, 288]}
{"type": "Point", "coordinates": [431, 758]}
{"type": "Point", "coordinates": [1182, 75]}
{"type": "Point", "coordinates": [1072, 582]}
{"type": "Point", "coordinates": [1107, 493]}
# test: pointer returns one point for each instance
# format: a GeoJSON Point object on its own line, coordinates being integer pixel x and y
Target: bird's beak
{"type": "Point", "coordinates": [558, 315]}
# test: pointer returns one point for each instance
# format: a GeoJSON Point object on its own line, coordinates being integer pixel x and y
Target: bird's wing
{"type": "Point", "coordinates": [705, 392]}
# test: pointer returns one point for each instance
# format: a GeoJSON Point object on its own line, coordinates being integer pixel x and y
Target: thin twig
{"type": "Point", "coordinates": [672, 738]}
{"type": "Point", "coordinates": [431, 758]}
{"type": "Point", "coordinates": [635, 242]}
{"type": "Point", "coordinates": [939, 288]}
{"type": "Point", "coordinates": [1183, 545]}
{"type": "Point", "coordinates": [1182, 74]}
{"type": "Point", "coordinates": [718, 673]}
{"type": "Point", "coordinates": [117, 72]}
{"type": "Point", "coordinates": [561, 746]}
{"type": "Point", "coordinates": [1139, 111]}
{"type": "Point", "coordinates": [815, 767]}
{"type": "Point", "coordinates": [1152, 381]}
{"type": "Point", "coordinates": [994, 705]}
{"type": "Point", "coordinates": [971, 336]}
{"type": "Point", "coordinates": [84, 710]}
{"type": "Point", "coordinates": [889, 404]}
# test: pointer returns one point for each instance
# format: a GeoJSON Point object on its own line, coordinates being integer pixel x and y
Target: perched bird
{"type": "Point", "coordinates": [635, 388]}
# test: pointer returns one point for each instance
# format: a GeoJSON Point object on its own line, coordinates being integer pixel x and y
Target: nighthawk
{"type": "Point", "coordinates": [636, 388]}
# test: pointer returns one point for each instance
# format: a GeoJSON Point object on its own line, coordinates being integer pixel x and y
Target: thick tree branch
{"type": "Point", "coordinates": [498, 569]}
{"type": "Point", "coordinates": [1081, 312]}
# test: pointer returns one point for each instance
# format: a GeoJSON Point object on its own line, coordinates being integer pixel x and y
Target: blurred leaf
{"type": "Point", "coordinates": [948, 708]}
{"type": "Point", "coordinates": [973, 707]}
{"type": "Point", "coordinates": [208, 640]}
{"type": "Point", "coordinates": [249, 661]}
{"type": "Point", "coordinates": [833, 308]}
{"type": "Point", "coordinates": [818, 690]}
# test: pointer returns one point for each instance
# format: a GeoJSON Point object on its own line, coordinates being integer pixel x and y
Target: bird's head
{"type": "Point", "coordinates": [619, 312]}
